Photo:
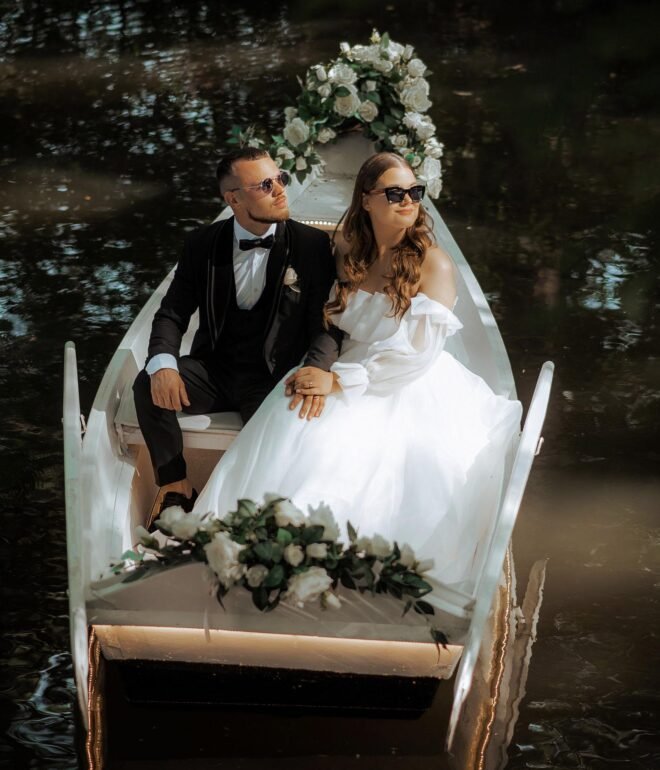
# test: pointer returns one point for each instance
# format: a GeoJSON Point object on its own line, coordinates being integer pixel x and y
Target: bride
{"type": "Point", "coordinates": [410, 444]}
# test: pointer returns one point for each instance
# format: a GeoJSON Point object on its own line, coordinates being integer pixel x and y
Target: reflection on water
{"type": "Point", "coordinates": [112, 117]}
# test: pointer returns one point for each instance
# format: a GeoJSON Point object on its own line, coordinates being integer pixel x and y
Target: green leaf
{"type": "Point", "coordinates": [374, 96]}
{"type": "Point", "coordinates": [132, 556]}
{"type": "Point", "coordinates": [407, 607]}
{"type": "Point", "coordinates": [352, 533]}
{"type": "Point", "coordinates": [347, 580]}
{"type": "Point", "coordinates": [312, 534]}
{"type": "Point", "coordinates": [284, 537]}
{"type": "Point", "coordinates": [247, 508]}
{"type": "Point", "coordinates": [385, 40]}
{"type": "Point", "coordinates": [342, 91]}
{"type": "Point", "coordinates": [264, 551]}
{"type": "Point", "coordinates": [274, 577]}
{"type": "Point", "coordinates": [424, 608]}
{"type": "Point", "coordinates": [378, 128]}
{"type": "Point", "coordinates": [439, 638]}
{"type": "Point", "coordinates": [277, 552]}
{"type": "Point", "coordinates": [260, 598]}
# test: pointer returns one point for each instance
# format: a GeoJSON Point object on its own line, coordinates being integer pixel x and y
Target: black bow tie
{"type": "Point", "coordinates": [256, 243]}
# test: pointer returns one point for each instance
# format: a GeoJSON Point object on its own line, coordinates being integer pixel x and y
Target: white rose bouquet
{"type": "Point", "coordinates": [281, 554]}
{"type": "Point", "coordinates": [380, 88]}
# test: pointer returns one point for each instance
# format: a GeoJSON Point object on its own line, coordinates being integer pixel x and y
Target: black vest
{"type": "Point", "coordinates": [240, 346]}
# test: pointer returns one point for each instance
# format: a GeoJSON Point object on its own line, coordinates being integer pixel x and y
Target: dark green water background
{"type": "Point", "coordinates": [112, 115]}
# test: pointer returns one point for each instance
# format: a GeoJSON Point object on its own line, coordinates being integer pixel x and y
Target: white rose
{"type": "Point", "coordinates": [331, 601]}
{"type": "Point", "coordinates": [345, 48]}
{"type": "Point", "coordinates": [394, 51]}
{"type": "Point", "coordinates": [296, 132]}
{"type": "Point", "coordinates": [142, 533]}
{"type": "Point", "coordinates": [325, 90]}
{"type": "Point", "coordinates": [399, 140]}
{"type": "Point", "coordinates": [375, 36]}
{"type": "Point", "coordinates": [285, 511]}
{"type": "Point", "coordinates": [370, 85]}
{"type": "Point", "coordinates": [416, 160]}
{"type": "Point", "coordinates": [416, 68]}
{"type": "Point", "coordinates": [321, 74]}
{"type": "Point", "coordinates": [368, 111]}
{"type": "Point", "coordinates": [347, 106]}
{"type": "Point", "coordinates": [383, 65]}
{"type": "Point", "coordinates": [181, 524]}
{"type": "Point", "coordinates": [325, 135]}
{"type": "Point", "coordinates": [366, 53]}
{"type": "Point", "coordinates": [256, 575]}
{"type": "Point", "coordinates": [407, 555]}
{"type": "Point", "coordinates": [425, 565]}
{"type": "Point", "coordinates": [408, 51]}
{"type": "Point", "coordinates": [403, 151]}
{"type": "Point", "coordinates": [426, 130]}
{"type": "Point", "coordinates": [317, 550]}
{"type": "Point", "coordinates": [307, 586]}
{"type": "Point", "coordinates": [342, 74]}
{"type": "Point", "coordinates": [294, 555]}
{"type": "Point", "coordinates": [290, 113]}
{"type": "Point", "coordinates": [415, 96]}
{"type": "Point", "coordinates": [222, 555]}
{"type": "Point", "coordinates": [433, 148]}
{"type": "Point", "coordinates": [364, 544]}
{"type": "Point", "coordinates": [380, 547]}
{"type": "Point", "coordinates": [434, 187]}
{"type": "Point", "coordinates": [322, 516]}
{"type": "Point", "coordinates": [413, 120]}
{"type": "Point", "coordinates": [285, 153]}
{"type": "Point", "coordinates": [301, 164]}
{"type": "Point", "coordinates": [431, 169]}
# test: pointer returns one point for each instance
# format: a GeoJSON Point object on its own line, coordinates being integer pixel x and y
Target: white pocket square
{"type": "Point", "coordinates": [291, 279]}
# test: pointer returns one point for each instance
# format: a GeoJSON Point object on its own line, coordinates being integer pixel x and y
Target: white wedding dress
{"type": "Point", "coordinates": [414, 448]}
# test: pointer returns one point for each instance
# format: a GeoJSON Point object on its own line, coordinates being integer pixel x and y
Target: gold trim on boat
{"type": "Point", "coordinates": [95, 703]}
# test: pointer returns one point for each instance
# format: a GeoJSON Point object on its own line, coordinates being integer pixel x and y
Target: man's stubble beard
{"type": "Point", "coordinates": [281, 216]}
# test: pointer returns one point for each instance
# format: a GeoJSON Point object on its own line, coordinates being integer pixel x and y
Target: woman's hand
{"type": "Point", "coordinates": [311, 381]}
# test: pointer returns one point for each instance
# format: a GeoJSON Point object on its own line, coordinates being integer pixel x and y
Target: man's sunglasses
{"type": "Point", "coordinates": [266, 185]}
{"type": "Point", "coordinates": [397, 194]}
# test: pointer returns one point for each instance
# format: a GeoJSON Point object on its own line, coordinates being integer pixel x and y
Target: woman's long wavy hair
{"type": "Point", "coordinates": [359, 235]}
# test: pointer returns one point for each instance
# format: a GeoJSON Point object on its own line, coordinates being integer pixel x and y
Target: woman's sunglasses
{"type": "Point", "coordinates": [266, 185]}
{"type": "Point", "coordinates": [397, 194]}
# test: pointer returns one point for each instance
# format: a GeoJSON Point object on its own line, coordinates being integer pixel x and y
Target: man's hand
{"type": "Point", "coordinates": [312, 406]}
{"type": "Point", "coordinates": [168, 390]}
{"type": "Point", "coordinates": [310, 381]}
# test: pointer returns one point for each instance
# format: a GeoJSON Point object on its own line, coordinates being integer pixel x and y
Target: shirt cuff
{"type": "Point", "coordinates": [161, 361]}
{"type": "Point", "coordinates": [353, 379]}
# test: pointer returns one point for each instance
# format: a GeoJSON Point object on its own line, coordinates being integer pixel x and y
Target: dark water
{"type": "Point", "coordinates": [111, 117]}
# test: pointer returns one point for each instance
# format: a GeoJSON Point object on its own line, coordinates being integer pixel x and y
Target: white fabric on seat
{"type": "Point", "coordinates": [200, 431]}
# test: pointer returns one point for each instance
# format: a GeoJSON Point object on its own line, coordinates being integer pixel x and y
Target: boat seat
{"type": "Point", "coordinates": [200, 431]}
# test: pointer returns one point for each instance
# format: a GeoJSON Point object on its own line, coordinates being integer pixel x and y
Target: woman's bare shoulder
{"type": "Point", "coordinates": [437, 279]}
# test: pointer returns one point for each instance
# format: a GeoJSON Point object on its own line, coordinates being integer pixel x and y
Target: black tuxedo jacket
{"type": "Point", "coordinates": [204, 280]}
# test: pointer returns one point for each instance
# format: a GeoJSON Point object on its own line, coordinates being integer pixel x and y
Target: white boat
{"type": "Point", "coordinates": [169, 617]}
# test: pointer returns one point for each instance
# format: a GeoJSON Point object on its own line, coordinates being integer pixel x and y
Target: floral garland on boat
{"type": "Point", "coordinates": [280, 554]}
{"type": "Point", "coordinates": [379, 88]}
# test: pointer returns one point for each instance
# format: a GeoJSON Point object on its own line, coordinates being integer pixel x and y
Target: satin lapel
{"type": "Point", "coordinates": [277, 257]}
{"type": "Point", "coordinates": [221, 276]}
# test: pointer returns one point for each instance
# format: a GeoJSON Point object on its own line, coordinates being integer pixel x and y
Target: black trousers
{"type": "Point", "coordinates": [209, 390]}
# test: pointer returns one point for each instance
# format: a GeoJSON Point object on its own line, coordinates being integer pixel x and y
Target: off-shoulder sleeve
{"type": "Point", "coordinates": [403, 357]}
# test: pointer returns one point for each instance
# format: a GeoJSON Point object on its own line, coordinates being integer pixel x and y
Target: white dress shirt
{"type": "Point", "coordinates": [249, 276]}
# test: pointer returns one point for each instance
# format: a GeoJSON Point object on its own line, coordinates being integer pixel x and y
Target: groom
{"type": "Point", "coordinates": [259, 281]}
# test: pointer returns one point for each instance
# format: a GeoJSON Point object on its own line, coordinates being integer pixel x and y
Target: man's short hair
{"type": "Point", "coordinates": [225, 166]}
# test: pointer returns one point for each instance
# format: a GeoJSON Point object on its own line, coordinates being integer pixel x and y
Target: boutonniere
{"type": "Point", "coordinates": [291, 280]}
